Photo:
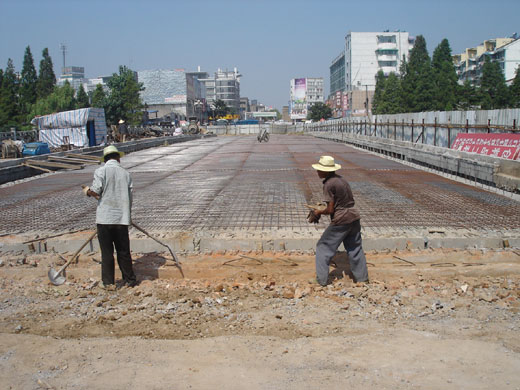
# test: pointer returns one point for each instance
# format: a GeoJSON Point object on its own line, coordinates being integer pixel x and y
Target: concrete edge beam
{"type": "Point", "coordinates": [189, 244]}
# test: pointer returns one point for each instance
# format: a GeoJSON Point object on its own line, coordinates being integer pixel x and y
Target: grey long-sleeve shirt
{"type": "Point", "coordinates": [114, 186]}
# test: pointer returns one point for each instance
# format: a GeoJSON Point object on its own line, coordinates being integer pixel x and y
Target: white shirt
{"type": "Point", "coordinates": [114, 186]}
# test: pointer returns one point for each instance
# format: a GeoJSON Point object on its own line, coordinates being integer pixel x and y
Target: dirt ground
{"type": "Point", "coordinates": [433, 319]}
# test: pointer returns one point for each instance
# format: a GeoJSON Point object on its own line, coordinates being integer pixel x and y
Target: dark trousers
{"type": "Point", "coordinates": [111, 236]}
{"type": "Point", "coordinates": [333, 236]}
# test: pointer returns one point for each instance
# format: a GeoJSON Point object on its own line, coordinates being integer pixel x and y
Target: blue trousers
{"type": "Point", "coordinates": [331, 239]}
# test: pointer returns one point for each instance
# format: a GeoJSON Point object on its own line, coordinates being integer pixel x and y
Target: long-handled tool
{"type": "Point", "coordinates": [175, 259]}
{"type": "Point", "coordinates": [55, 276]}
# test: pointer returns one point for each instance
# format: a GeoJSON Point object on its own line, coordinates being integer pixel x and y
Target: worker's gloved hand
{"type": "Point", "coordinates": [85, 190]}
{"type": "Point", "coordinates": [312, 217]}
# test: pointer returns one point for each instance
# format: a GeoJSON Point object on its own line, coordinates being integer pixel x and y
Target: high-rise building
{"type": "Point", "coordinates": [353, 72]}
{"type": "Point", "coordinates": [304, 93]}
{"type": "Point", "coordinates": [225, 86]}
{"type": "Point", "coordinates": [505, 51]}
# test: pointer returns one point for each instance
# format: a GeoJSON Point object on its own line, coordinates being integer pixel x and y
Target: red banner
{"type": "Point", "coordinates": [497, 145]}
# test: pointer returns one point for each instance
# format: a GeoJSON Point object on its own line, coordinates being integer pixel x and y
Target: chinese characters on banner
{"type": "Point", "coordinates": [497, 145]}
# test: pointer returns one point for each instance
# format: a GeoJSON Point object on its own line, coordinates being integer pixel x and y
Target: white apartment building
{"type": "Point", "coordinates": [353, 72]}
{"type": "Point", "coordinates": [505, 51]}
{"type": "Point", "coordinates": [304, 93]}
{"type": "Point", "coordinates": [366, 53]}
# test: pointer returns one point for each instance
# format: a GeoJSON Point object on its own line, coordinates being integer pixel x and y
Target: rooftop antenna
{"type": "Point", "coordinates": [63, 49]}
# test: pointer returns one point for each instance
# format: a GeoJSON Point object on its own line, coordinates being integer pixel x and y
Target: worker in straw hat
{"type": "Point", "coordinates": [112, 187]}
{"type": "Point", "coordinates": [344, 225]}
{"type": "Point", "coordinates": [123, 130]}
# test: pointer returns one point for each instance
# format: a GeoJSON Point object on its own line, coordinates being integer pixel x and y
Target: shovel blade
{"type": "Point", "coordinates": [55, 278]}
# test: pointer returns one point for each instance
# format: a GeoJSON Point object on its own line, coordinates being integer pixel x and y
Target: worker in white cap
{"type": "Point", "coordinates": [112, 187]}
{"type": "Point", "coordinates": [344, 225]}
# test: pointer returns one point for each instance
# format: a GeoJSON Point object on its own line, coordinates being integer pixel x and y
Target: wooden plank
{"type": "Point", "coordinates": [83, 156]}
{"type": "Point", "coordinates": [71, 160]}
{"type": "Point", "coordinates": [45, 163]}
{"type": "Point", "coordinates": [35, 167]}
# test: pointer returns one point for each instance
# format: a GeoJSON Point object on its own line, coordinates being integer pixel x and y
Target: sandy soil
{"type": "Point", "coordinates": [435, 319]}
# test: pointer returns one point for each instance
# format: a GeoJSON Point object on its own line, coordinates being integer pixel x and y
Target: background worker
{"type": "Point", "coordinates": [123, 130]}
{"type": "Point", "coordinates": [344, 225]}
{"type": "Point", "coordinates": [112, 187]}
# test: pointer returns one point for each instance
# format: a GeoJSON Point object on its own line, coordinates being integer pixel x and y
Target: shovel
{"type": "Point", "coordinates": [175, 259]}
{"type": "Point", "coordinates": [55, 276]}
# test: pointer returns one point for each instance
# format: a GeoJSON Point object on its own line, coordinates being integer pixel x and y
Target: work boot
{"type": "Point", "coordinates": [108, 287]}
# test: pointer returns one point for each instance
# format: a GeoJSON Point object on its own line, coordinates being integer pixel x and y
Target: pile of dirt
{"type": "Point", "coordinates": [471, 295]}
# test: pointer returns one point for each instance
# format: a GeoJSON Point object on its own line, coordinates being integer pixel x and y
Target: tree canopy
{"type": "Point", "coordinates": [425, 85]}
{"type": "Point", "coordinates": [46, 77]}
{"type": "Point", "coordinates": [319, 111]}
{"type": "Point", "coordinates": [61, 99]}
{"type": "Point", "coordinates": [28, 81]}
{"type": "Point", "coordinates": [123, 100]}
{"type": "Point", "coordinates": [82, 100]}
{"type": "Point", "coordinates": [9, 110]}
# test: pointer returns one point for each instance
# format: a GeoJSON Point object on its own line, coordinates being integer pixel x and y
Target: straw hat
{"type": "Point", "coordinates": [326, 164]}
{"type": "Point", "coordinates": [110, 150]}
{"type": "Point", "coordinates": [121, 121]}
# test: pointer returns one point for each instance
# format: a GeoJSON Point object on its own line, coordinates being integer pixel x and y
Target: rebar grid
{"type": "Point", "coordinates": [236, 183]}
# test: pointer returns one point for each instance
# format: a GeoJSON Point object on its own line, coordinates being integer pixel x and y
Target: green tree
{"type": "Point", "coordinates": [28, 82]}
{"type": "Point", "coordinates": [493, 88]}
{"type": "Point", "coordinates": [221, 109]}
{"type": "Point", "coordinates": [278, 115]}
{"type": "Point", "coordinates": [514, 90]}
{"type": "Point", "coordinates": [377, 101]}
{"type": "Point", "coordinates": [61, 99]}
{"type": "Point", "coordinates": [46, 77]}
{"type": "Point", "coordinates": [9, 109]}
{"type": "Point", "coordinates": [319, 111]}
{"type": "Point", "coordinates": [123, 101]}
{"type": "Point", "coordinates": [468, 97]}
{"type": "Point", "coordinates": [417, 83]}
{"type": "Point", "coordinates": [82, 100]}
{"type": "Point", "coordinates": [444, 77]}
{"type": "Point", "coordinates": [99, 97]}
{"type": "Point", "coordinates": [392, 95]}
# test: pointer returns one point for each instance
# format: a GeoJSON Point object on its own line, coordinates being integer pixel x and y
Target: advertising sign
{"type": "Point", "coordinates": [299, 102]}
{"type": "Point", "coordinates": [175, 99]}
{"type": "Point", "coordinates": [497, 145]}
{"type": "Point", "coordinates": [300, 89]}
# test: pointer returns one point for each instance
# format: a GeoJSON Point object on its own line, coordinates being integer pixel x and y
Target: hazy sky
{"type": "Point", "coordinates": [269, 41]}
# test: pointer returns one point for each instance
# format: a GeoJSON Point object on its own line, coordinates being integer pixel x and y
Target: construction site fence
{"type": "Point", "coordinates": [25, 136]}
{"type": "Point", "coordinates": [429, 128]}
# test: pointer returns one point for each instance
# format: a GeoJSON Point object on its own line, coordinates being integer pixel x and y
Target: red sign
{"type": "Point", "coordinates": [497, 145]}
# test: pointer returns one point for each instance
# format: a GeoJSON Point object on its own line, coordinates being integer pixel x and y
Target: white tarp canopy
{"type": "Point", "coordinates": [78, 125]}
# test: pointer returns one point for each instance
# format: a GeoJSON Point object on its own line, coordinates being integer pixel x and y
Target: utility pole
{"type": "Point", "coordinates": [63, 49]}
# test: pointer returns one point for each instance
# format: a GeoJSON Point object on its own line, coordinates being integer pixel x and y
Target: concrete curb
{"type": "Point", "coordinates": [192, 244]}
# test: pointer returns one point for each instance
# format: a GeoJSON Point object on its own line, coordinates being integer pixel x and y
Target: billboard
{"type": "Point", "coordinates": [497, 145]}
{"type": "Point", "coordinates": [299, 99]}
